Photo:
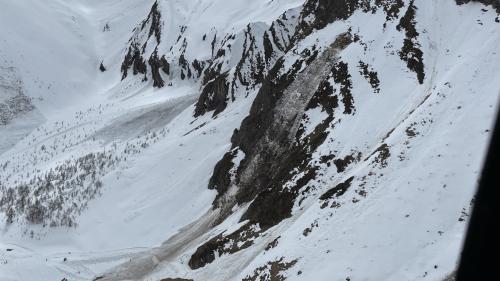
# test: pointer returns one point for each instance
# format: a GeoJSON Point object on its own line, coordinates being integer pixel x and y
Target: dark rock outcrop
{"type": "Point", "coordinates": [323, 12]}
{"type": "Point", "coordinates": [272, 271]}
{"type": "Point", "coordinates": [338, 190]}
{"type": "Point", "coordinates": [370, 75]}
{"type": "Point", "coordinates": [213, 96]}
{"type": "Point", "coordinates": [494, 3]}
{"type": "Point", "coordinates": [156, 65]}
{"type": "Point", "coordinates": [266, 135]}
{"type": "Point", "coordinates": [390, 7]}
{"type": "Point", "coordinates": [276, 150]}
{"type": "Point", "coordinates": [268, 48]}
{"type": "Point", "coordinates": [341, 76]}
{"type": "Point", "coordinates": [411, 52]}
{"type": "Point", "coordinates": [224, 244]}
{"type": "Point", "coordinates": [135, 60]}
{"type": "Point", "coordinates": [154, 18]}
{"type": "Point", "coordinates": [135, 55]}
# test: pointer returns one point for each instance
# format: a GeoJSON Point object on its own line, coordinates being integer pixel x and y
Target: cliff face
{"type": "Point", "coordinates": [279, 156]}
{"type": "Point", "coordinates": [271, 140]}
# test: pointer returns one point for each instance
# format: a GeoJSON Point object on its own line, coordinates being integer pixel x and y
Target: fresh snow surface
{"type": "Point", "coordinates": [406, 228]}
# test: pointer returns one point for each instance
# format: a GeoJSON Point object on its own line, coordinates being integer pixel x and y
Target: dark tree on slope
{"type": "Point", "coordinates": [36, 213]}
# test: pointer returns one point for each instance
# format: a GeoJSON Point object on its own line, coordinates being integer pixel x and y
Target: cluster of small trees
{"type": "Point", "coordinates": [56, 198]}
{"type": "Point", "coordinates": [13, 107]}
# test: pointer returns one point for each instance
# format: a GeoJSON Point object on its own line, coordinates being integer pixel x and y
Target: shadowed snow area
{"type": "Point", "coordinates": [214, 140]}
{"type": "Point", "coordinates": [143, 120]}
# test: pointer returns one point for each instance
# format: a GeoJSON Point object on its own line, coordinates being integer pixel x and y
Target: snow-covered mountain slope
{"type": "Point", "coordinates": [237, 140]}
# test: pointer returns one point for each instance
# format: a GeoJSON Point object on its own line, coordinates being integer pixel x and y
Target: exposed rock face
{"type": "Point", "coordinates": [272, 271]}
{"type": "Point", "coordinates": [158, 64]}
{"type": "Point", "coordinates": [155, 23]}
{"type": "Point", "coordinates": [310, 111]}
{"type": "Point", "coordinates": [390, 7]}
{"type": "Point", "coordinates": [273, 119]}
{"type": "Point", "coordinates": [276, 147]}
{"type": "Point", "coordinates": [411, 52]}
{"type": "Point", "coordinates": [324, 12]}
{"type": "Point", "coordinates": [213, 96]}
{"type": "Point", "coordinates": [261, 50]}
{"type": "Point", "coordinates": [494, 3]}
{"type": "Point", "coordinates": [370, 75]}
{"type": "Point", "coordinates": [272, 157]}
{"type": "Point", "coordinates": [134, 60]}
{"type": "Point", "coordinates": [150, 27]}
{"type": "Point", "coordinates": [224, 244]}
{"type": "Point", "coordinates": [338, 190]}
{"type": "Point", "coordinates": [221, 77]}
{"type": "Point", "coordinates": [319, 13]}
{"type": "Point", "coordinates": [221, 87]}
